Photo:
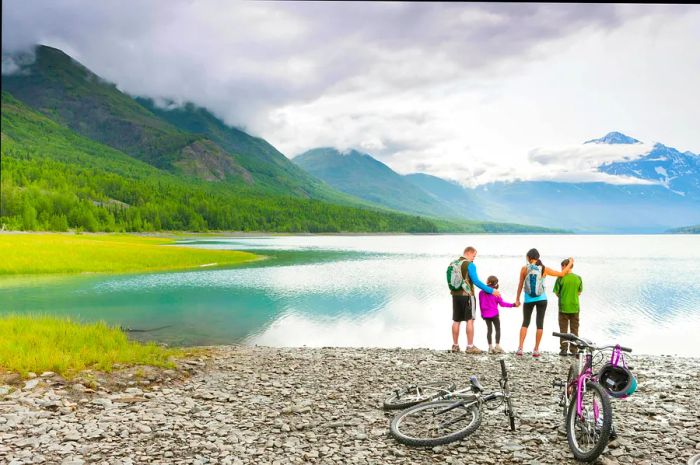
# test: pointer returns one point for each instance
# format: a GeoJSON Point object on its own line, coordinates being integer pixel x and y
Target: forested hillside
{"type": "Point", "coordinates": [53, 178]}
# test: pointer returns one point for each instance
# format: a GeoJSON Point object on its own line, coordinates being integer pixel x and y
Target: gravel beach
{"type": "Point", "coordinates": [260, 405]}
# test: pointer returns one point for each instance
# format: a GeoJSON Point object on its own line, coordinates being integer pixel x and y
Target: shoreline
{"type": "Point", "coordinates": [253, 404]}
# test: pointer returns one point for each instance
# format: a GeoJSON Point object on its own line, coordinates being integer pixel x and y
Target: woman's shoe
{"type": "Point", "coordinates": [498, 350]}
{"type": "Point", "coordinates": [536, 353]}
{"type": "Point", "coordinates": [455, 348]}
{"type": "Point", "coordinates": [520, 351]}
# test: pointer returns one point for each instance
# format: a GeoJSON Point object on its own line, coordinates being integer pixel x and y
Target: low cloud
{"type": "Point", "coordinates": [460, 91]}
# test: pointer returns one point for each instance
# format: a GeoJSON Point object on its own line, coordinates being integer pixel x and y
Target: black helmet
{"type": "Point", "coordinates": [618, 381]}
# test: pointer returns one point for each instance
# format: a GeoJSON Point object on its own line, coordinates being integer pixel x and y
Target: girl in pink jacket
{"type": "Point", "coordinates": [489, 312]}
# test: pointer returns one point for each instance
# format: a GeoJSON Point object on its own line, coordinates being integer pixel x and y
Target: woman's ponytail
{"type": "Point", "coordinates": [533, 254]}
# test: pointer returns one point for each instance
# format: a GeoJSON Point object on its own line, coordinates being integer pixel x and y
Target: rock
{"type": "Point", "coordinates": [31, 384]}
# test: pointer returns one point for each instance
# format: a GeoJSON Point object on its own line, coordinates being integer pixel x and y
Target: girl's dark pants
{"type": "Point", "coordinates": [490, 323]}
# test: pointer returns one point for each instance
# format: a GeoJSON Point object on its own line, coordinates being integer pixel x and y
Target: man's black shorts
{"type": "Point", "coordinates": [462, 308]}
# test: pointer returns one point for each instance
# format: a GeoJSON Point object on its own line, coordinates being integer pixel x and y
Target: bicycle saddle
{"type": "Point", "coordinates": [476, 385]}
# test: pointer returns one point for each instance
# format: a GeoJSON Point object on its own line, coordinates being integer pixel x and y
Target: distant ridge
{"type": "Point", "coordinates": [614, 138]}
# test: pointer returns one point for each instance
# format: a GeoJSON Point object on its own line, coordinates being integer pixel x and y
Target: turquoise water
{"type": "Point", "coordinates": [386, 291]}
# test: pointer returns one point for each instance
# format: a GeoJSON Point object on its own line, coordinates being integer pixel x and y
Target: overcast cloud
{"type": "Point", "coordinates": [472, 92]}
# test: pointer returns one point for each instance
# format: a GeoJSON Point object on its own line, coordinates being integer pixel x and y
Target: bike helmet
{"type": "Point", "coordinates": [618, 381]}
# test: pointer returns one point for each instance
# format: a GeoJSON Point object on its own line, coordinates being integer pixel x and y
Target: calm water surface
{"type": "Point", "coordinates": [387, 291]}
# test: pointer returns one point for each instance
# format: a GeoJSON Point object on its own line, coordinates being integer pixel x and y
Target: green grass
{"type": "Point", "coordinates": [47, 253]}
{"type": "Point", "coordinates": [42, 343]}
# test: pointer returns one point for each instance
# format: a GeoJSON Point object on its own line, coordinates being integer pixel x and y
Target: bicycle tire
{"type": "Point", "coordinates": [409, 396]}
{"type": "Point", "coordinates": [604, 429]}
{"type": "Point", "coordinates": [509, 403]}
{"type": "Point", "coordinates": [571, 377]}
{"type": "Point", "coordinates": [415, 414]}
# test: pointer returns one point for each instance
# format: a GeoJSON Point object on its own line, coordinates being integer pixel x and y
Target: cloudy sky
{"type": "Point", "coordinates": [474, 92]}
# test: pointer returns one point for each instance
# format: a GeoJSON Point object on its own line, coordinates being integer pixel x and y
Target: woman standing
{"type": "Point", "coordinates": [532, 281]}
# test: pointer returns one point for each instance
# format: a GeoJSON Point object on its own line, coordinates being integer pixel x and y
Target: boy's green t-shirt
{"type": "Point", "coordinates": [568, 289]}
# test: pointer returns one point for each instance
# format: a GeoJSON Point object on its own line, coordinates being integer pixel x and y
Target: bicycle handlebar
{"type": "Point", "coordinates": [585, 343]}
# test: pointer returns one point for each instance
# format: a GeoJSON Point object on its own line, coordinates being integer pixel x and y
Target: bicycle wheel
{"type": "Point", "coordinates": [510, 411]}
{"type": "Point", "coordinates": [412, 395]}
{"type": "Point", "coordinates": [428, 424]}
{"type": "Point", "coordinates": [588, 433]}
{"type": "Point", "coordinates": [570, 389]}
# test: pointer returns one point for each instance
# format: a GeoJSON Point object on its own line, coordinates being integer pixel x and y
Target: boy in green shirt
{"type": "Point", "coordinates": [568, 289]}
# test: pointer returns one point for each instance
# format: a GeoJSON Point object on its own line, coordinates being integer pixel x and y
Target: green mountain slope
{"type": "Point", "coordinates": [463, 202]}
{"type": "Point", "coordinates": [190, 141]}
{"type": "Point", "coordinates": [361, 175]}
{"type": "Point", "coordinates": [55, 179]}
{"type": "Point", "coordinates": [267, 165]}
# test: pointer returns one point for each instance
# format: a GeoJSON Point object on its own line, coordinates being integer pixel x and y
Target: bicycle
{"type": "Point", "coordinates": [454, 416]}
{"type": "Point", "coordinates": [413, 394]}
{"type": "Point", "coordinates": [586, 404]}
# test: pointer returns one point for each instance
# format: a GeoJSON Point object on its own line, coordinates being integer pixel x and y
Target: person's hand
{"type": "Point", "coordinates": [571, 260]}
{"type": "Point", "coordinates": [496, 292]}
{"type": "Point", "coordinates": [517, 304]}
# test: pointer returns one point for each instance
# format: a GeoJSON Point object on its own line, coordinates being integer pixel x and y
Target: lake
{"type": "Point", "coordinates": [386, 291]}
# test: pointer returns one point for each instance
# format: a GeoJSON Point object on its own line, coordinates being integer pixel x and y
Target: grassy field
{"type": "Point", "coordinates": [46, 253]}
{"type": "Point", "coordinates": [41, 343]}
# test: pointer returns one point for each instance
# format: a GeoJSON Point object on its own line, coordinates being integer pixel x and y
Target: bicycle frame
{"type": "Point", "coordinates": [585, 374]}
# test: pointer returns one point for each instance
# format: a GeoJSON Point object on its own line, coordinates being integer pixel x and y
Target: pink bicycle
{"type": "Point", "coordinates": [586, 395]}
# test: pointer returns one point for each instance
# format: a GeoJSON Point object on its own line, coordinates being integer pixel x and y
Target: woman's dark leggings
{"type": "Point", "coordinates": [490, 323]}
{"type": "Point", "coordinates": [541, 306]}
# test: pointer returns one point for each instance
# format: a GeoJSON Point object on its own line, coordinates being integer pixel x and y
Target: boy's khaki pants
{"type": "Point", "coordinates": [566, 319]}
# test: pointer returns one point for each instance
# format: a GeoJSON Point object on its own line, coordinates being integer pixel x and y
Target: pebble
{"type": "Point", "coordinates": [260, 405]}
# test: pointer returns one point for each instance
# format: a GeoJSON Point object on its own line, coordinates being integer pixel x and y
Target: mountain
{"type": "Point", "coordinates": [362, 176]}
{"type": "Point", "coordinates": [676, 171]}
{"type": "Point", "coordinates": [671, 198]}
{"type": "Point", "coordinates": [686, 230]}
{"type": "Point", "coordinates": [53, 178]}
{"type": "Point", "coordinates": [665, 198]}
{"type": "Point", "coordinates": [589, 207]}
{"type": "Point", "coordinates": [463, 202]}
{"type": "Point", "coordinates": [614, 138]}
{"type": "Point", "coordinates": [188, 141]}
{"type": "Point", "coordinates": [266, 165]}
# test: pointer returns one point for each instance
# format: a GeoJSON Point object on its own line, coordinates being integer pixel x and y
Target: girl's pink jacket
{"type": "Point", "coordinates": [489, 304]}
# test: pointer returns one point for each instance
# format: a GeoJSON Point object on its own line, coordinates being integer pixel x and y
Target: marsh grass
{"type": "Point", "coordinates": [31, 254]}
{"type": "Point", "coordinates": [38, 343]}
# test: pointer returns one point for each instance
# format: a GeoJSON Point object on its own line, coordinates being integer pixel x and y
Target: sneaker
{"type": "Point", "coordinates": [536, 353]}
{"type": "Point", "coordinates": [520, 351]}
{"type": "Point", "coordinates": [455, 348]}
{"type": "Point", "coordinates": [562, 353]}
{"type": "Point", "coordinates": [492, 350]}
{"type": "Point", "coordinates": [498, 350]}
{"type": "Point", "coordinates": [473, 350]}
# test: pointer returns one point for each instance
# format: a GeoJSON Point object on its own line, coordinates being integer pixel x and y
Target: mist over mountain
{"type": "Point", "coordinates": [668, 199]}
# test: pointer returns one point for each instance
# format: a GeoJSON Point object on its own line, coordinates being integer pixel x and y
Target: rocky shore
{"type": "Point", "coordinates": [258, 405]}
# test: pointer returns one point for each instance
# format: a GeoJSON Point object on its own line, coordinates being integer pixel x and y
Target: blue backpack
{"type": "Point", "coordinates": [534, 280]}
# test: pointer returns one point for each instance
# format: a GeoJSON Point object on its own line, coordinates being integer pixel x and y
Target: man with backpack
{"type": "Point", "coordinates": [461, 279]}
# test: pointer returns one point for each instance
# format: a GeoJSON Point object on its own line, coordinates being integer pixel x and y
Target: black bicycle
{"type": "Point", "coordinates": [454, 416]}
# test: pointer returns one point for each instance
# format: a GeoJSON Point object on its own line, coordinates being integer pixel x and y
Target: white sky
{"type": "Point", "coordinates": [472, 92]}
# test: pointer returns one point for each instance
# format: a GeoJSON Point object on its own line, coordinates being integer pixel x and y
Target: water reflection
{"type": "Point", "coordinates": [387, 291]}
